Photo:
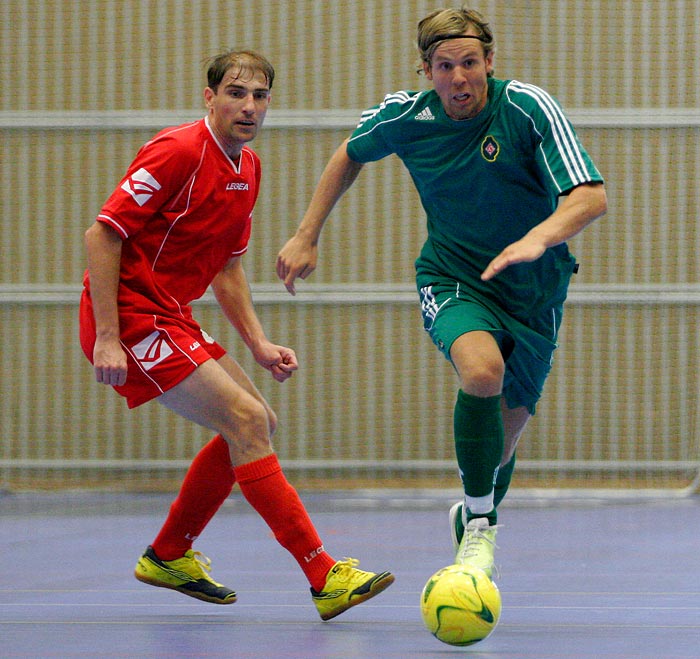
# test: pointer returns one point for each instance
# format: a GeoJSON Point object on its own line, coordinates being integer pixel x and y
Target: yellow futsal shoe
{"type": "Point", "coordinates": [478, 545]}
{"type": "Point", "coordinates": [347, 586]}
{"type": "Point", "coordinates": [188, 575]}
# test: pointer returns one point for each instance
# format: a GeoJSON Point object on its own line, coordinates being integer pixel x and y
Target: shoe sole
{"type": "Point", "coordinates": [152, 581]}
{"type": "Point", "coordinates": [380, 583]}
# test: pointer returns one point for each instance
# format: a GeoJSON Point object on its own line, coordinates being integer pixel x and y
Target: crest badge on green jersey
{"type": "Point", "coordinates": [490, 148]}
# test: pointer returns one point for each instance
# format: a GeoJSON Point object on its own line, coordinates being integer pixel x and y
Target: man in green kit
{"type": "Point", "coordinates": [504, 182]}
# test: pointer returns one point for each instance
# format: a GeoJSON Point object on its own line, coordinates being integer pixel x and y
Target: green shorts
{"type": "Point", "coordinates": [527, 347]}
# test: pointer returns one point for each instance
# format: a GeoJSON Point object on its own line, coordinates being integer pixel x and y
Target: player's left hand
{"type": "Point", "coordinates": [524, 250]}
{"type": "Point", "coordinates": [280, 361]}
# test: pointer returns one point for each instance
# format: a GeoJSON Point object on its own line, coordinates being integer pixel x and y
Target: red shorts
{"type": "Point", "coordinates": [161, 351]}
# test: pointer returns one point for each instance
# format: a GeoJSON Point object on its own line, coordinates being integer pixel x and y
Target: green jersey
{"type": "Point", "coordinates": [484, 183]}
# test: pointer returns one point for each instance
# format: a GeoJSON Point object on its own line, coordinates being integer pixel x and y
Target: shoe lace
{"type": "Point", "coordinates": [202, 562]}
{"type": "Point", "coordinates": [471, 546]}
{"type": "Point", "coordinates": [346, 569]}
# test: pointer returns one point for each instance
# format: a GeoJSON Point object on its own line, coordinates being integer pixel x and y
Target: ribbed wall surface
{"type": "Point", "coordinates": [621, 404]}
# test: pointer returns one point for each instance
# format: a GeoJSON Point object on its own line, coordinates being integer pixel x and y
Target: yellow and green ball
{"type": "Point", "coordinates": [460, 605]}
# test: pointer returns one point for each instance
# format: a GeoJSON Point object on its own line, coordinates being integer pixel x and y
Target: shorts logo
{"type": "Point", "coordinates": [152, 350]}
{"type": "Point", "coordinates": [141, 186]}
{"type": "Point", "coordinates": [490, 148]}
{"type": "Point", "coordinates": [429, 307]}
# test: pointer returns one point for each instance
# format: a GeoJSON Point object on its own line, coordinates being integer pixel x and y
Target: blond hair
{"type": "Point", "coordinates": [444, 24]}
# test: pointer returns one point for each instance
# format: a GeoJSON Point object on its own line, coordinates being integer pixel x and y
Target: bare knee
{"type": "Point", "coordinates": [479, 363]}
{"type": "Point", "coordinates": [248, 430]}
{"type": "Point", "coordinates": [271, 417]}
{"type": "Point", "coordinates": [482, 378]}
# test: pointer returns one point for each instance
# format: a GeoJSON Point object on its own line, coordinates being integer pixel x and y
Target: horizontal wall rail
{"type": "Point", "coordinates": [317, 119]}
{"type": "Point", "coordinates": [582, 294]}
{"type": "Point", "coordinates": [599, 466]}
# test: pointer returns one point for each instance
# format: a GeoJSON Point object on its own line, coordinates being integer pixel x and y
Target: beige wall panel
{"type": "Point", "coordinates": [372, 387]}
{"type": "Point", "coordinates": [650, 234]}
{"type": "Point", "coordinates": [59, 181]}
{"type": "Point", "coordinates": [138, 54]}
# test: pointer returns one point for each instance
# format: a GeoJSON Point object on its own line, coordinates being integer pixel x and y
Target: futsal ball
{"type": "Point", "coordinates": [460, 605]}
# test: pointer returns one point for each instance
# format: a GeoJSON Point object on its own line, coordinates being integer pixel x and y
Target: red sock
{"type": "Point", "coordinates": [266, 488]}
{"type": "Point", "coordinates": [207, 484]}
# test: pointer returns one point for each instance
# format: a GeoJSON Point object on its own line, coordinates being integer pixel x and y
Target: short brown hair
{"type": "Point", "coordinates": [248, 62]}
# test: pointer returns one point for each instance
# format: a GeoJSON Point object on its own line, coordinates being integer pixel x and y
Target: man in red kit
{"type": "Point", "coordinates": [178, 222]}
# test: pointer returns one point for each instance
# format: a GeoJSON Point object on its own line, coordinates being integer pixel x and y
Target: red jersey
{"type": "Point", "coordinates": [182, 210]}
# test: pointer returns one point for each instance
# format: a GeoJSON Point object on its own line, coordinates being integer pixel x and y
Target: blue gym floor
{"type": "Point", "coordinates": [579, 579]}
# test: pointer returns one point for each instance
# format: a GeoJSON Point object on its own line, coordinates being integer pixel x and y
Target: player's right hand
{"type": "Point", "coordinates": [109, 362]}
{"type": "Point", "coordinates": [296, 259]}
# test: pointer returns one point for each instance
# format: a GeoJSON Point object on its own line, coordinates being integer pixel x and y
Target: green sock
{"type": "Point", "coordinates": [478, 429]}
{"type": "Point", "coordinates": [505, 473]}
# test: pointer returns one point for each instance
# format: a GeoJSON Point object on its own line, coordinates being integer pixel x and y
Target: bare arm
{"type": "Point", "coordinates": [232, 292]}
{"type": "Point", "coordinates": [299, 255]}
{"type": "Point", "coordinates": [104, 249]}
{"type": "Point", "coordinates": [584, 204]}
